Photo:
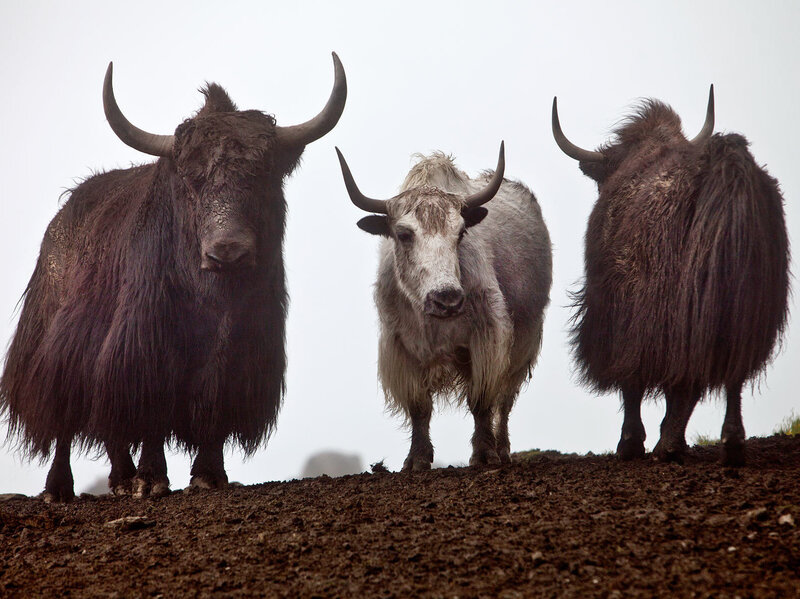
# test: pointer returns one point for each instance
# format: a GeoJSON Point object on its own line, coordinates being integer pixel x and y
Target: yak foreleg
{"type": "Point", "coordinates": [503, 442]}
{"type": "Point", "coordinates": [59, 487]}
{"type": "Point", "coordinates": [631, 441]}
{"type": "Point", "coordinates": [484, 447]}
{"type": "Point", "coordinates": [733, 428]}
{"type": "Point", "coordinates": [671, 447]}
{"type": "Point", "coordinates": [120, 479]}
{"type": "Point", "coordinates": [420, 456]}
{"type": "Point", "coordinates": [208, 470]}
{"type": "Point", "coordinates": [151, 476]}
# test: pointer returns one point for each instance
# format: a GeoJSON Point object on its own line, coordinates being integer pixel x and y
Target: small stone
{"type": "Point", "coordinates": [12, 496]}
{"type": "Point", "coordinates": [786, 519]}
{"type": "Point", "coordinates": [537, 557]}
{"type": "Point", "coordinates": [718, 520]}
{"type": "Point", "coordinates": [130, 523]}
{"type": "Point", "coordinates": [731, 549]}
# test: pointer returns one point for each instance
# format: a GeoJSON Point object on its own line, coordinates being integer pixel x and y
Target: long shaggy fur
{"type": "Point", "coordinates": [486, 354]}
{"type": "Point", "coordinates": [121, 336]}
{"type": "Point", "coordinates": [686, 262]}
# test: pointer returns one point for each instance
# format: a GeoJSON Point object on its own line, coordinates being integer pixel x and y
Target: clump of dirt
{"type": "Point", "coordinates": [549, 525]}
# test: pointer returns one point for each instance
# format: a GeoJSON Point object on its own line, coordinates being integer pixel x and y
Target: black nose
{"type": "Point", "coordinates": [444, 302]}
{"type": "Point", "coordinates": [223, 255]}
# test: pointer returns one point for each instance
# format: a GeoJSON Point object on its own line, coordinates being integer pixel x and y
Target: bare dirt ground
{"type": "Point", "coordinates": [550, 526]}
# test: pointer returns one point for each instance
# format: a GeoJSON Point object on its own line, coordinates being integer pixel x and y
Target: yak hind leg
{"type": "Point", "coordinates": [502, 440]}
{"type": "Point", "coordinates": [631, 441]}
{"type": "Point", "coordinates": [733, 429]}
{"type": "Point", "coordinates": [151, 476]}
{"type": "Point", "coordinates": [484, 445]}
{"type": "Point", "coordinates": [60, 486]}
{"type": "Point", "coordinates": [420, 455]}
{"type": "Point", "coordinates": [120, 479]}
{"type": "Point", "coordinates": [208, 469]}
{"type": "Point", "coordinates": [671, 447]}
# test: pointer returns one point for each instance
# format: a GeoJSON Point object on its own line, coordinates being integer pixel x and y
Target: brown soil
{"type": "Point", "coordinates": [549, 526]}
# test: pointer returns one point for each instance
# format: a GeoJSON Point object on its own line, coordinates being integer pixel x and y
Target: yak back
{"type": "Point", "coordinates": [686, 266]}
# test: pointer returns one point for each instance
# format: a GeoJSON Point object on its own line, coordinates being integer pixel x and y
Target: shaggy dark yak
{"type": "Point", "coordinates": [156, 310]}
{"type": "Point", "coordinates": [687, 273]}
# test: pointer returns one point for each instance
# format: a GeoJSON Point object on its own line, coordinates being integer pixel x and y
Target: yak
{"type": "Point", "coordinates": [156, 310]}
{"type": "Point", "coordinates": [686, 274]}
{"type": "Point", "coordinates": [461, 294]}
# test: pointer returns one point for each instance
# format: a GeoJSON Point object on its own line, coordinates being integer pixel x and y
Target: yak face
{"type": "Point", "coordinates": [425, 226]}
{"type": "Point", "coordinates": [226, 161]}
{"type": "Point", "coordinates": [230, 165]}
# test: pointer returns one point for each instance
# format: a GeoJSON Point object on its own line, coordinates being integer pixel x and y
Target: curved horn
{"type": "Point", "coordinates": [149, 143]}
{"type": "Point", "coordinates": [708, 127]}
{"type": "Point", "coordinates": [569, 148]}
{"type": "Point", "coordinates": [358, 198]}
{"type": "Point", "coordinates": [491, 189]}
{"type": "Point", "coordinates": [305, 133]}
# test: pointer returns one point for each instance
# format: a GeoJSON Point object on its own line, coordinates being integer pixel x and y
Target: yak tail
{"type": "Point", "coordinates": [736, 272]}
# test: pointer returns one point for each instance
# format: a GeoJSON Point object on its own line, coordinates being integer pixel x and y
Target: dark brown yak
{"type": "Point", "coordinates": [687, 273]}
{"type": "Point", "coordinates": [157, 307]}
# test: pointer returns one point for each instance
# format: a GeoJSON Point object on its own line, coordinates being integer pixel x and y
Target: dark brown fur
{"type": "Point", "coordinates": [123, 340]}
{"type": "Point", "coordinates": [686, 264]}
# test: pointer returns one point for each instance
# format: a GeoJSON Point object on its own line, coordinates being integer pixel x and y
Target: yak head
{"type": "Point", "coordinates": [654, 126]}
{"type": "Point", "coordinates": [228, 167]}
{"type": "Point", "coordinates": [425, 225]}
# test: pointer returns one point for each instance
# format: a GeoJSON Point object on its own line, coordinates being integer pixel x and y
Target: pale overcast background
{"type": "Point", "coordinates": [422, 76]}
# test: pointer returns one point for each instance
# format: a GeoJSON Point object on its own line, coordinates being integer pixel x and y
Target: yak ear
{"type": "Point", "coordinates": [374, 224]}
{"type": "Point", "coordinates": [472, 216]}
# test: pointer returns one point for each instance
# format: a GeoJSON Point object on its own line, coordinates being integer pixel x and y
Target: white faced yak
{"type": "Point", "coordinates": [156, 310]}
{"type": "Point", "coordinates": [461, 294]}
{"type": "Point", "coordinates": [686, 273]}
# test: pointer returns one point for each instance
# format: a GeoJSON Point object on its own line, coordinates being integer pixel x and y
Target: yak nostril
{"type": "Point", "coordinates": [445, 302]}
{"type": "Point", "coordinates": [226, 255]}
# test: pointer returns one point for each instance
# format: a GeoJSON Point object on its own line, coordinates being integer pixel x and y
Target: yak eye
{"type": "Point", "coordinates": [404, 235]}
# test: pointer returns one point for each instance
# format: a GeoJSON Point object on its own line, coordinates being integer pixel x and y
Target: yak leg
{"type": "Point", "coordinates": [483, 440]}
{"type": "Point", "coordinates": [631, 442]}
{"type": "Point", "coordinates": [420, 456]}
{"type": "Point", "coordinates": [120, 479]}
{"type": "Point", "coordinates": [671, 447]}
{"type": "Point", "coordinates": [208, 470]}
{"type": "Point", "coordinates": [732, 428]}
{"type": "Point", "coordinates": [503, 443]}
{"type": "Point", "coordinates": [151, 476]}
{"type": "Point", "coordinates": [59, 487]}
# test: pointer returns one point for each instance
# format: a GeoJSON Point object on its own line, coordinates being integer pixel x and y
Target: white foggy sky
{"type": "Point", "coordinates": [422, 76]}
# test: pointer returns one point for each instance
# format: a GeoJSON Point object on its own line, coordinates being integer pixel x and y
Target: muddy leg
{"type": "Point", "coordinates": [631, 442]}
{"type": "Point", "coordinates": [733, 429]}
{"type": "Point", "coordinates": [503, 443]}
{"type": "Point", "coordinates": [671, 447]}
{"type": "Point", "coordinates": [120, 480]}
{"type": "Point", "coordinates": [151, 476]}
{"type": "Point", "coordinates": [420, 456]}
{"type": "Point", "coordinates": [59, 487]}
{"type": "Point", "coordinates": [208, 470]}
{"type": "Point", "coordinates": [483, 441]}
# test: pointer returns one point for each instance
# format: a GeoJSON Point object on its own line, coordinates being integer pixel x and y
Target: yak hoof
{"type": "Point", "coordinates": [485, 457]}
{"type": "Point", "coordinates": [141, 488]}
{"type": "Point", "coordinates": [416, 464]}
{"type": "Point", "coordinates": [121, 488]}
{"type": "Point", "coordinates": [202, 481]}
{"type": "Point", "coordinates": [732, 453]}
{"type": "Point", "coordinates": [505, 456]}
{"type": "Point", "coordinates": [630, 449]}
{"type": "Point", "coordinates": [58, 496]}
{"type": "Point", "coordinates": [662, 453]}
